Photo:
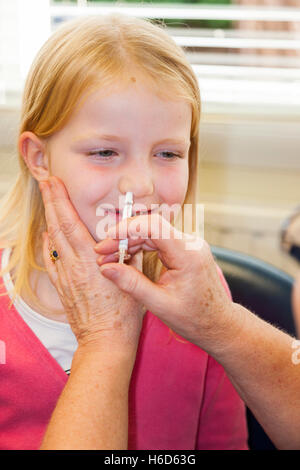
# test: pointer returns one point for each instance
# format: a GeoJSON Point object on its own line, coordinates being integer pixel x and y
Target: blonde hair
{"type": "Point", "coordinates": [80, 56]}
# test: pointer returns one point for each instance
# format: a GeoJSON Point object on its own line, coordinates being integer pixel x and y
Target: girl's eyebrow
{"type": "Point", "coordinates": [116, 138]}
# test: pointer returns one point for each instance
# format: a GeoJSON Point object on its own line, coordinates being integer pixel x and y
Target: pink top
{"type": "Point", "coordinates": [180, 398]}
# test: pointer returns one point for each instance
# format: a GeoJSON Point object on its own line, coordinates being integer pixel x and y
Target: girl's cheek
{"type": "Point", "coordinates": [174, 186]}
{"type": "Point", "coordinates": [93, 186]}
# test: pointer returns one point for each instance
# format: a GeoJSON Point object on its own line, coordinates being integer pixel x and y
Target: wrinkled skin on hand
{"type": "Point", "coordinates": [95, 307]}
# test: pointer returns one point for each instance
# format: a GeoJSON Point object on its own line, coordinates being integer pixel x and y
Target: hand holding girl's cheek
{"type": "Point", "coordinates": [91, 301]}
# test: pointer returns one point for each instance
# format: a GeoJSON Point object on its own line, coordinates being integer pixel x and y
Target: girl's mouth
{"type": "Point", "coordinates": [118, 214]}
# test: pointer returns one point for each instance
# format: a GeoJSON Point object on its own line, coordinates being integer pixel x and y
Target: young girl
{"type": "Point", "coordinates": [110, 105]}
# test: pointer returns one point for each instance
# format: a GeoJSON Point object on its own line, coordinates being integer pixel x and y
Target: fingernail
{"type": "Point", "coordinates": [51, 182]}
{"type": "Point", "coordinates": [108, 258]}
{"type": "Point", "coordinates": [100, 245]}
{"type": "Point", "coordinates": [111, 273]}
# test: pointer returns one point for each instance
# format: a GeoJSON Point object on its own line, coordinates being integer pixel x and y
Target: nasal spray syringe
{"type": "Point", "coordinates": [127, 212]}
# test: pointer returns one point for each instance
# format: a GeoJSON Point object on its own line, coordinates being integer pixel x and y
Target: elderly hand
{"type": "Point", "coordinates": [95, 307]}
{"type": "Point", "coordinates": [189, 296]}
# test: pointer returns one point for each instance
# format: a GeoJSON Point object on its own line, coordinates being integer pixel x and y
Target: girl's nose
{"type": "Point", "coordinates": [139, 182]}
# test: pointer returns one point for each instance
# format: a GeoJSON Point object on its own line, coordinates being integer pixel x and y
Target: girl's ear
{"type": "Point", "coordinates": [33, 151]}
{"type": "Point", "coordinates": [296, 304]}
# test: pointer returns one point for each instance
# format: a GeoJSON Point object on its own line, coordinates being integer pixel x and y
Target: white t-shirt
{"type": "Point", "coordinates": [56, 336]}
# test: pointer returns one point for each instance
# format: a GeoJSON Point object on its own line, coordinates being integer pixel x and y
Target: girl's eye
{"type": "Point", "coordinates": [102, 153]}
{"type": "Point", "coordinates": [170, 155]}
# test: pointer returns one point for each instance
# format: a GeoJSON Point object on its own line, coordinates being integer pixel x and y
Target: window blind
{"type": "Point", "coordinates": [250, 63]}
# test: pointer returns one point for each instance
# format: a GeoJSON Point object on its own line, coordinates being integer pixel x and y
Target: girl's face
{"type": "Point", "coordinates": [123, 140]}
